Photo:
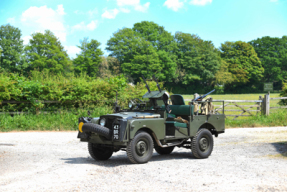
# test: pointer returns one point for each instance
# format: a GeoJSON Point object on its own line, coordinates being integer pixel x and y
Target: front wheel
{"type": "Point", "coordinates": [140, 148]}
{"type": "Point", "coordinates": [202, 144]}
{"type": "Point", "coordinates": [99, 152]}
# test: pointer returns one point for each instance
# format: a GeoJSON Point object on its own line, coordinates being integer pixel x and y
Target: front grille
{"type": "Point", "coordinates": [116, 125]}
{"type": "Point", "coordinates": [109, 123]}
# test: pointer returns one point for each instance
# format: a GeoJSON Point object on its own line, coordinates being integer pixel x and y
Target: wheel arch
{"type": "Point", "coordinates": [147, 130]}
{"type": "Point", "coordinates": [209, 127]}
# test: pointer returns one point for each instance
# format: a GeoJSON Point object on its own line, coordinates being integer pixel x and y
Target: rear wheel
{"type": "Point", "coordinates": [100, 152]}
{"type": "Point", "coordinates": [202, 144]}
{"type": "Point", "coordinates": [164, 151]}
{"type": "Point", "coordinates": [140, 148]}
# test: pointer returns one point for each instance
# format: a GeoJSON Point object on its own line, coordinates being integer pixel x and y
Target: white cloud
{"type": "Point", "coordinates": [110, 14]}
{"type": "Point", "coordinates": [135, 4]}
{"type": "Point", "coordinates": [273, 1]}
{"type": "Point", "coordinates": [26, 39]}
{"type": "Point", "coordinates": [83, 27]}
{"type": "Point", "coordinates": [173, 4]}
{"type": "Point", "coordinates": [42, 18]}
{"type": "Point", "coordinates": [142, 8]}
{"type": "Point", "coordinates": [72, 50]}
{"type": "Point", "coordinates": [11, 20]}
{"type": "Point", "coordinates": [200, 2]}
{"type": "Point", "coordinates": [93, 25]}
{"type": "Point", "coordinates": [60, 10]}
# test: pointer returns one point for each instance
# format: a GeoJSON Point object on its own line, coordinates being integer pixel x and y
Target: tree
{"type": "Point", "coordinates": [114, 65]}
{"type": "Point", "coordinates": [223, 76]}
{"type": "Point", "coordinates": [243, 63]}
{"type": "Point", "coordinates": [272, 52]}
{"type": "Point", "coordinates": [45, 51]}
{"type": "Point", "coordinates": [144, 50]}
{"type": "Point", "coordinates": [12, 48]}
{"type": "Point", "coordinates": [89, 59]}
{"type": "Point", "coordinates": [124, 45]}
{"type": "Point", "coordinates": [156, 35]}
{"type": "Point", "coordinates": [197, 60]}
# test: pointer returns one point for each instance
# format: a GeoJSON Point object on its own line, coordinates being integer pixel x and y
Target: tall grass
{"type": "Point", "coordinates": [276, 118]}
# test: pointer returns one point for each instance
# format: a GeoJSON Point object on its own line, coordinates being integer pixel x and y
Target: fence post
{"type": "Point", "coordinates": [195, 95]}
{"type": "Point", "coordinates": [266, 104]}
{"type": "Point", "coordinates": [260, 105]}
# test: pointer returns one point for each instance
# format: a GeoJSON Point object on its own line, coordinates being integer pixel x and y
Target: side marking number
{"type": "Point", "coordinates": [116, 131]}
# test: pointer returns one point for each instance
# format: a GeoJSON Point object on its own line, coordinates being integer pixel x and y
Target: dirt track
{"type": "Point", "coordinates": [252, 159]}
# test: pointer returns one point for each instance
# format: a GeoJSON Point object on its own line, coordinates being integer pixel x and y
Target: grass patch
{"type": "Point", "coordinates": [276, 118]}
{"type": "Point", "coordinates": [47, 122]}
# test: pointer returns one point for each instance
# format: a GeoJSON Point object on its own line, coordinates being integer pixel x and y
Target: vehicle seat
{"type": "Point", "coordinates": [177, 100]}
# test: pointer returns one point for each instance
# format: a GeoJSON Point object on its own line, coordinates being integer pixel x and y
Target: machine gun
{"type": "Point", "coordinates": [146, 85]}
{"type": "Point", "coordinates": [116, 108]}
{"type": "Point", "coordinates": [200, 98]}
{"type": "Point", "coordinates": [156, 83]}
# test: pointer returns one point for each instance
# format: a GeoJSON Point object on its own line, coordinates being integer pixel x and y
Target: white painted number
{"type": "Point", "coordinates": [116, 131]}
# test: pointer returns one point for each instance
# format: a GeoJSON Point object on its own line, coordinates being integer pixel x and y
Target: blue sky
{"type": "Point", "coordinates": [214, 20]}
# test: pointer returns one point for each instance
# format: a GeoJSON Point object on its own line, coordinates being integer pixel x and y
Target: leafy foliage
{"type": "Point", "coordinates": [144, 50]}
{"type": "Point", "coordinates": [197, 59]}
{"type": "Point", "coordinates": [11, 48]}
{"type": "Point", "coordinates": [89, 59]}
{"type": "Point", "coordinates": [45, 52]}
{"type": "Point", "coordinates": [243, 64]}
{"type": "Point", "coordinates": [83, 89]}
{"type": "Point", "coordinates": [272, 52]}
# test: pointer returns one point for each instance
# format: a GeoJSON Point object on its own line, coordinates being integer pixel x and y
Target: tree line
{"type": "Point", "coordinates": [183, 61]}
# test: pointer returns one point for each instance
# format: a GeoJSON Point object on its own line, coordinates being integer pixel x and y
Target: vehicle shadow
{"type": "Point", "coordinates": [122, 159]}
{"type": "Point", "coordinates": [281, 147]}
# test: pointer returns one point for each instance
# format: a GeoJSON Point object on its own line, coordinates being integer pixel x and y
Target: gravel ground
{"type": "Point", "coordinates": [249, 159]}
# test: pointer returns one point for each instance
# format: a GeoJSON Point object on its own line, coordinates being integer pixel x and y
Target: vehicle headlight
{"type": "Point", "coordinates": [103, 122]}
{"type": "Point", "coordinates": [130, 104]}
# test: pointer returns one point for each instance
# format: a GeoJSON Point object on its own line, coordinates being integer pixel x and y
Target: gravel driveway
{"type": "Point", "coordinates": [249, 159]}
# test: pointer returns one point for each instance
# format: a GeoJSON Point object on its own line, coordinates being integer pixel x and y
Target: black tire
{"type": "Point", "coordinates": [99, 153]}
{"type": "Point", "coordinates": [164, 151]}
{"type": "Point", "coordinates": [202, 144]}
{"type": "Point", "coordinates": [91, 127]}
{"type": "Point", "coordinates": [140, 148]}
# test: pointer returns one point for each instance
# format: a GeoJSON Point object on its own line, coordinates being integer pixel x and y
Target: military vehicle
{"type": "Point", "coordinates": [153, 124]}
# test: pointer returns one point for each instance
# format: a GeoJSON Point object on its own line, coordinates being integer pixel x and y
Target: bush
{"type": "Point", "coordinates": [73, 91]}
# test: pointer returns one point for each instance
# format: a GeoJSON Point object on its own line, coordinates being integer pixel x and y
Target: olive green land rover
{"type": "Point", "coordinates": [159, 122]}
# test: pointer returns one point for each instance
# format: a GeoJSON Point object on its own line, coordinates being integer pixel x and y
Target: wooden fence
{"type": "Point", "coordinates": [260, 106]}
